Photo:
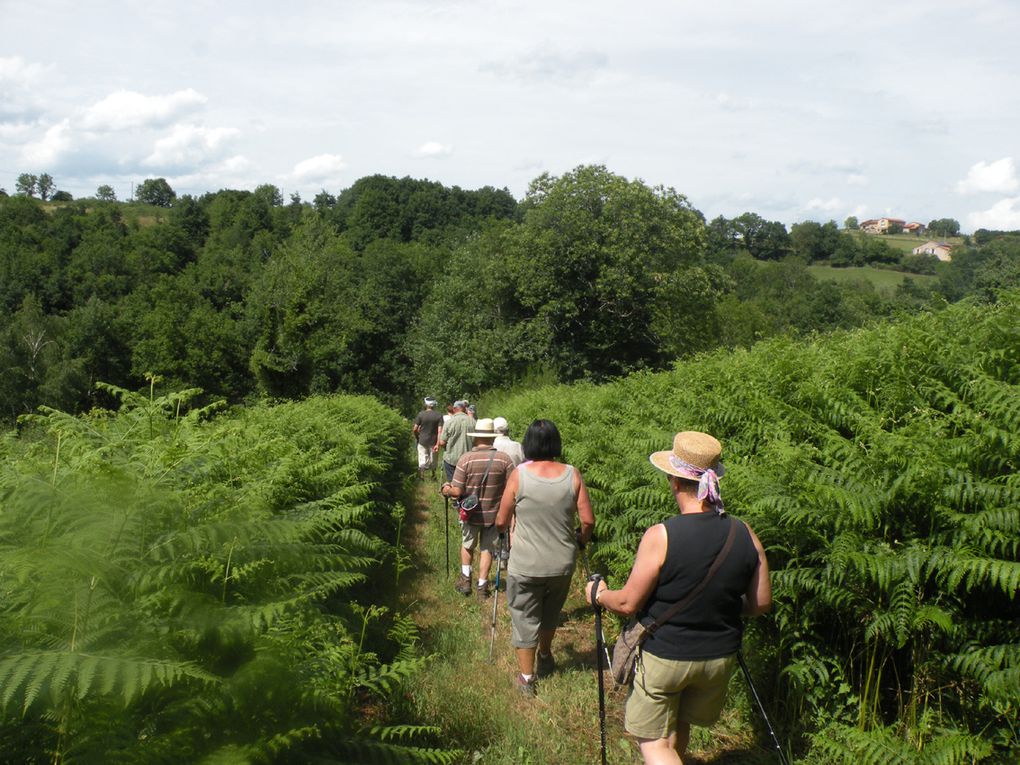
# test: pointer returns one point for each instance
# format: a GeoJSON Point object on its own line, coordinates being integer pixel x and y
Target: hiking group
{"type": "Point", "coordinates": [695, 575]}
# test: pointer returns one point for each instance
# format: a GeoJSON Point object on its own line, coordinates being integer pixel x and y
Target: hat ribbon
{"type": "Point", "coordinates": [708, 479]}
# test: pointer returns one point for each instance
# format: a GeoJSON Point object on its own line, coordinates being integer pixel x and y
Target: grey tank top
{"type": "Point", "coordinates": [543, 543]}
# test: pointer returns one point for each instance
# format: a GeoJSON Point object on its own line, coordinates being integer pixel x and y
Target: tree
{"type": "Point", "coordinates": [575, 287]}
{"type": "Point", "coordinates": [851, 224]}
{"type": "Point", "coordinates": [156, 192]}
{"type": "Point", "coordinates": [62, 196]}
{"type": "Point", "coordinates": [323, 201]}
{"type": "Point", "coordinates": [25, 185]}
{"type": "Point", "coordinates": [106, 193]}
{"type": "Point", "coordinates": [944, 227]}
{"type": "Point", "coordinates": [44, 185]}
{"type": "Point", "coordinates": [269, 194]}
{"type": "Point", "coordinates": [764, 239]}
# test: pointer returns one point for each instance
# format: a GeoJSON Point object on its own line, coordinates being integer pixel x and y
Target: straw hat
{"type": "Point", "coordinates": [691, 448]}
{"type": "Point", "coordinates": [484, 428]}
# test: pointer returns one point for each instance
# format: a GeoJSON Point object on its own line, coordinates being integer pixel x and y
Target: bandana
{"type": "Point", "coordinates": [708, 480]}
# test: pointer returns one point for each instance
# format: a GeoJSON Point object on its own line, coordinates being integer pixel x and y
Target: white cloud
{"type": "Point", "coordinates": [728, 103]}
{"type": "Point", "coordinates": [49, 149]}
{"type": "Point", "coordinates": [998, 177]}
{"type": "Point", "coordinates": [545, 64]}
{"type": "Point", "coordinates": [857, 179]}
{"type": "Point", "coordinates": [1004, 215]}
{"type": "Point", "coordinates": [230, 173]}
{"type": "Point", "coordinates": [21, 86]}
{"type": "Point", "coordinates": [825, 205]}
{"type": "Point", "coordinates": [189, 145]}
{"type": "Point", "coordinates": [324, 167]}
{"type": "Point", "coordinates": [434, 149]}
{"type": "Point", "coordinates": [126, 109]}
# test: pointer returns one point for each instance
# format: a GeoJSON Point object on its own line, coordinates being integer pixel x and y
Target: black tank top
{"type": "Point", "coordinates": [710, 627]}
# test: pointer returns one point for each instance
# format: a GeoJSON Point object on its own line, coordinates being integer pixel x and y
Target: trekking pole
{"type": "Point", "coordinates": [761, 708]}
{"type": "Point", "coordinates": [600, 646]}
{"type": "Point", "coordinates": [586, 570]}
{"type": "Point", "coordinates": [447, 537]}
{"type": "Point", "coordinates": [495, 597]}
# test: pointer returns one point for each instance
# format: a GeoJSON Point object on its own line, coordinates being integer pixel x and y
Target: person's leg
{"type": "Point", "coordinates": [681, 738]}
{"type": "Point", "coordinates": [545, 639]}
{"type": "Point", "coordinates": [468, 541]}
{"type": "Point", "coordinates": [524, 621]}
{"type": "Point", "coordinates": [555, 595]}
{"type": "Point", "coordinates": [484, 564]}
{"type": "Point", "coordinates": [488, 538]}
{"type": "Point", "coordinates": [659, 751]}
{"type": "Point", "coordinates": [526, 660]}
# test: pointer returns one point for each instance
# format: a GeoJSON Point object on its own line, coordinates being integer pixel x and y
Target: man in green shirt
{"type": "Point", "coordinates": [454, 438]}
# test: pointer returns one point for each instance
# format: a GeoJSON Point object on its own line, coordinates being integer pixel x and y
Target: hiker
{"type": "Point", "coordinates": [481, 472]}
{"type": "Point", "coordinates": [683, 668]}
{"type": "Point", "coordinates": [506, 444]}
{"type": "Point", "coordinates": [428, 426]}
{"type": "Point", "coordinates": [544, 498]}
{"type": "Point", "coordinates": [454, 438]}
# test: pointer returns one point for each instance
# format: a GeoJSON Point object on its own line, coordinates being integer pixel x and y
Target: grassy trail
{"type": "Point", "coordinates": [473, 699]}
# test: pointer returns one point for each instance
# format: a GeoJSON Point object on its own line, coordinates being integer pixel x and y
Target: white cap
{"type": "Point", "coordinates": [500, 424]}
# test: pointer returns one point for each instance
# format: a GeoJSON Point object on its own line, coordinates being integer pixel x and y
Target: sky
{"type": "Point", "coordinates": [791, 109]}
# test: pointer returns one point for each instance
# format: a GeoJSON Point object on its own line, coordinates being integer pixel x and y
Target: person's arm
{"type": "Point", "coordinates": [439, 438]}
{"type": "Point", "coordinates": [584, 511]}
{"type": "Point", "coordinates": [628, 600]}
{"type": "Point", "coordinates": [455, 488]}
{"type": "Point", "coordinates": [507, 504]}
{"type": "Point", "coordinates": [757, 599]}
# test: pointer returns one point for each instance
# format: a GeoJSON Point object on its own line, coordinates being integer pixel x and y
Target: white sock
{"type": "Point", "coordinates": [466, 569]}
{"type": "Point", "coordinates": [482, 582]}
{"type": "Point", "coordinates": [527, 678]}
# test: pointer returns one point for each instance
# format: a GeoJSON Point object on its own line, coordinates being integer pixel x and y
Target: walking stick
{"type": "Point", "coordinates": [600, 646]}
{"type": "Point", "coordinates": [447, 537]}
{"type": "Point", "coordinates": [761, 708]}
{"type": "Point", "coordinates": [495, 597]}
{"type": "Point", "coordinates": [586, 570]}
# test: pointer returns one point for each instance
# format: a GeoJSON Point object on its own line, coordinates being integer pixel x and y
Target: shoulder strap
{"type": "Point", "coordinates": [488, 467]}
{"type": "Point", "coordinates": [684, 602]}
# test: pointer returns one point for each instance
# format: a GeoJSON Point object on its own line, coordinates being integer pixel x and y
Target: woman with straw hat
{"type": "Point", "coordinates": [684, 666]}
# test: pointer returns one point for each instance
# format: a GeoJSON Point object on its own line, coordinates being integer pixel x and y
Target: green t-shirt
{"type": "Point", "coordinates": [455, 435]}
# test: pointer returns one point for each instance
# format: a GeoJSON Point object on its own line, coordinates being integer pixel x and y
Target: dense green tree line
{"type": "Point", "coordinates": [400, 286]}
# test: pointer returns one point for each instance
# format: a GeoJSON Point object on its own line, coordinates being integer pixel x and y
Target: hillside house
{"type": "Point", "coordinates": [941, 250]}
{"type": "Point", "coordinates": [881, 225]}
{"type": "Point", "coordinates": [913, 228]}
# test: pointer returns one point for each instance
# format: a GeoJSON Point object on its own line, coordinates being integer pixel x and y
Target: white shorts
{"type": "Point", "coordinates": [426, 457]}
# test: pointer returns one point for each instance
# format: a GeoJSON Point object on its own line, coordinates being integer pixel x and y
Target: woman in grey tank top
{"type": "Point", "coordinates": [543, 501]}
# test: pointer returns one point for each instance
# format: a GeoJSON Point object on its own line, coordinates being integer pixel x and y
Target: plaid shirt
{"type": "Point", "coordinates": [468, 478]}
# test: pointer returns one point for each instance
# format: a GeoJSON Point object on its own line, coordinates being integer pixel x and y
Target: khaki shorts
{"type": "Point", "coordinates": [474, 536]}
{"type": "Point", "coordinates": [668, 691]}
